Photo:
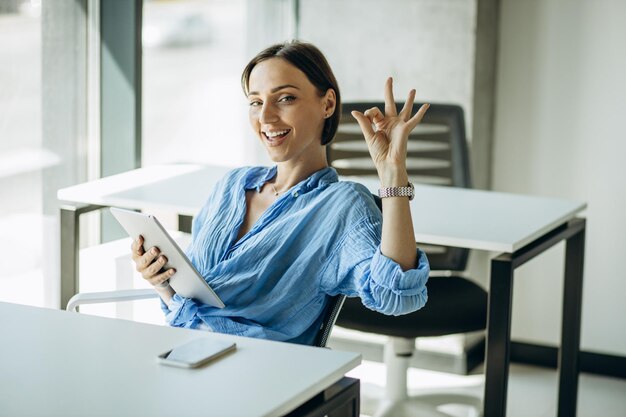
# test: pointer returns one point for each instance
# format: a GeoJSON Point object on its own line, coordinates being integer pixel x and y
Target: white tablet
{"type": "Point", "coordinates": [187, 281]}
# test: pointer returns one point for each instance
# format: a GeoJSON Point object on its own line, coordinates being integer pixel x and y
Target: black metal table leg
{"type": "Point", "coordinates": [342, 399]}
{"type": "Point", "coordinates": [498, 336]}
{"type": "Point", "coordinates": [499, 318]}
{"type": "Point", "coordinates": [70, 246]}
{"type": "Point", "coordinates": [570, 330]}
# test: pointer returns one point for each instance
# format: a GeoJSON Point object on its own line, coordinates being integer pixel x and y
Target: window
{"type": "Point", "coordinates": [22, 154]}
{"type": "Point", "coordinates": [193, 107]}
{"type": "Point", "coordinates": [193, 111]}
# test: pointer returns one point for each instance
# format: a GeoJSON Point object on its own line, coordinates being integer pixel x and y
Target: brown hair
{"type": "Point", "coordinates": [310, 60]}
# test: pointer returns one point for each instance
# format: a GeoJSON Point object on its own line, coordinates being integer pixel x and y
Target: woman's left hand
{"type": "Point", "coordinates": [387, 134]}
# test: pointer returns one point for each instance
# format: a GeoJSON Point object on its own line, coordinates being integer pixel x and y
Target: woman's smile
{"type": "Point", "coordinates": [275, 137]}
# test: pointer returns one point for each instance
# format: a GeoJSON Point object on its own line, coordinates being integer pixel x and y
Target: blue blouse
{"type": "Point", "coordinates": [319, 239]}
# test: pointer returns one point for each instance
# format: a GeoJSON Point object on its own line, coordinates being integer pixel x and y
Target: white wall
{"type": "Point", "coordinates": [559, 131]}
{"type": "Point", "coordinates": [424, 44]}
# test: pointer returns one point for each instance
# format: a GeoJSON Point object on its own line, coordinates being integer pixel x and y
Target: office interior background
{"type": "Point", "coordinates": [540, 81]}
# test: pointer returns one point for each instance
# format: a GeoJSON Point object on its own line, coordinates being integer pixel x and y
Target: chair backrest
{"type": "Point", "coordinates": [330, 317]}
{"type": "Point", "coordinates": [437, 154]}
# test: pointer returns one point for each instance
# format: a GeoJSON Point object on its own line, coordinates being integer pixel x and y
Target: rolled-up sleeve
{"type": "Point", "coordinates": [181, 312]}
{"type": "Point", "coordinates": [357, 268]}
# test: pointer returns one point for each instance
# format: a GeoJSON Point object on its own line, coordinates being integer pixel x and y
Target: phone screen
{"type": "Point", "coordinates": [196, 352]}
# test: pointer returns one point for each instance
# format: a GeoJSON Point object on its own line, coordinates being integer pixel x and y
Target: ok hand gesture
{"type": "Point", "coordinates": [387, 134]}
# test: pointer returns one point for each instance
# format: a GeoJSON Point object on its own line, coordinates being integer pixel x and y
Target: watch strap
{"type": "Point", "coordinates": [408, 191]}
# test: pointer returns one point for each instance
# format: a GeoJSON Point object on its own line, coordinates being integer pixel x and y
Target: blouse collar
{"type": "Point", "coordinates": [320, 178]}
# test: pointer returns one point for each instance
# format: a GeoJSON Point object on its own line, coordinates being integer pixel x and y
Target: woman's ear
{"type": "Point", "coordinates": [330, 101]}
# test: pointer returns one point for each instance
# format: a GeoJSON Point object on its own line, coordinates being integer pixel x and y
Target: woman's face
{"type": "Point", "coordinates": [287, 112]}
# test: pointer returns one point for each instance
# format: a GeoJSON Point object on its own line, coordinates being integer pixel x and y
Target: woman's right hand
{"type": "Point", "coordinates": [150, 264]}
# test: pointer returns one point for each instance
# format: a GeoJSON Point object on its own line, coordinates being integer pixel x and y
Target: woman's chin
{"type": "Point", "coordinates": [277, 157]}
{"type": "Point", "coordinates": [276, 153]}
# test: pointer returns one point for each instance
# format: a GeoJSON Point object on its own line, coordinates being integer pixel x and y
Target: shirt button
{"type": "Point", "coordinates": [295, 194]}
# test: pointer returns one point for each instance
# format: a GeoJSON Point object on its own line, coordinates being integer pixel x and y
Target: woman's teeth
{"type": "Point", "coordinates": [277, 134]}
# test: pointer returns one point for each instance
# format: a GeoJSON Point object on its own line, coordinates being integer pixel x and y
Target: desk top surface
{"type": "Point", "coordinates": [474, 219]}
{"type": "Point", "coordinates": [56, 362]}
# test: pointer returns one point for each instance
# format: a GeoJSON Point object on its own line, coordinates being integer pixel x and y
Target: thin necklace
{"type": "Point", "coordinates": [276, 192]}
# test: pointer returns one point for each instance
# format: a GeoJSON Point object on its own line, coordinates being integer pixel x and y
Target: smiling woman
{"type": "Point", "coordinates": [288, 115]}
{"type": "Point", "coordinates": [277, 243]}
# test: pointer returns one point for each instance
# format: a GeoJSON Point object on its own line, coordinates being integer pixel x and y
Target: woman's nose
{"type": "Point", "coordinates": [268, 113]}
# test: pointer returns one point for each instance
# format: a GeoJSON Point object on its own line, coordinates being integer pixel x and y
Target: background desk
{"type": "Point", "coordinates": [521, 227]}
{"type": "Point", "coordinates": [59, 363]}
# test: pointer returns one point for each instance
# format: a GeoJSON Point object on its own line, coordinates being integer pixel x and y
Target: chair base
{"type": "Point", "coordinates": [425, 404]}
{"type": "Point", "coordinates": [394, 399]}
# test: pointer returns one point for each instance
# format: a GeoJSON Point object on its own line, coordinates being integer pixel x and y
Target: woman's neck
{"type": "Point", "coordinates": [290, 173]}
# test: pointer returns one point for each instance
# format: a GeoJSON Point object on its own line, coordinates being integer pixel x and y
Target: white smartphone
{"type": "Point", "coordinates": [196, 353]}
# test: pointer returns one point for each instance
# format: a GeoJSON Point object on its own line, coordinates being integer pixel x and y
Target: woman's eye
{"type": "Point", "coordinates": [255, 103]}
{"type": "Point", "coordinates": [287, 99]}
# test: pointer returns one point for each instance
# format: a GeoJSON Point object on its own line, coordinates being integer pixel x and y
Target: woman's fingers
{"type": "Point", "coordinates": [151, 263]}
{"type": "Point", "coordinates": [390, 104]}
{"type": "Point", "coordinates": [388, 121]}
{"type": "Point", "coordinates": [406, 111]}
{"type": "Point", "coordinates": [162, 277]}
{"type": "Point", "coordinates": [375, 115]}
{"type": "Point", "coordinates": [154, 268]}
{"type": "Point", "coordinates": [414, 121]}
{"type": "Point", "coordinates": [364, 123]}
{"type": "Point", "coordinates": [155, 274]}
{"type": "Point", "coordinates": [137, 247]}
{"type": "Point", "coordinates": [146, 259]}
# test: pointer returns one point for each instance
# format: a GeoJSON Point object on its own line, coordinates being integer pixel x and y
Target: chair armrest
{"type": "Point", "coordinates": [110, 296]}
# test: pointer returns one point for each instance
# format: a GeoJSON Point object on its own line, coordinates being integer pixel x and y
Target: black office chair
{"type": "Point", "coordinates": [437, 155]}
{"type": "Point", "coordinates": [330, 317]}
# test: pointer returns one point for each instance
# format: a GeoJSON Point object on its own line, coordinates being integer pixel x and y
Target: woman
{"type": "Point", "coordinates": [275, 243]}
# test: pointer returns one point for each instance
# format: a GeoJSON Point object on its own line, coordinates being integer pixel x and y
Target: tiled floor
{"type": "Point", "coordinates": [532, 390]}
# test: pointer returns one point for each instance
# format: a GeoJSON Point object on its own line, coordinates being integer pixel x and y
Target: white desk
{"type": "Point", "coordinates": [521, 227]}
{"type": "Point", "coordinates": [180, 188]}
{"type": "Point", "coordinates": [59, 363]}
{"type": "Point", "coordinates": [446, 216]}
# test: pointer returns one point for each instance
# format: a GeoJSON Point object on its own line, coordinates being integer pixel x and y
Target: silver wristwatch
{"type": "Point", "coordinates": [408, 191]}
